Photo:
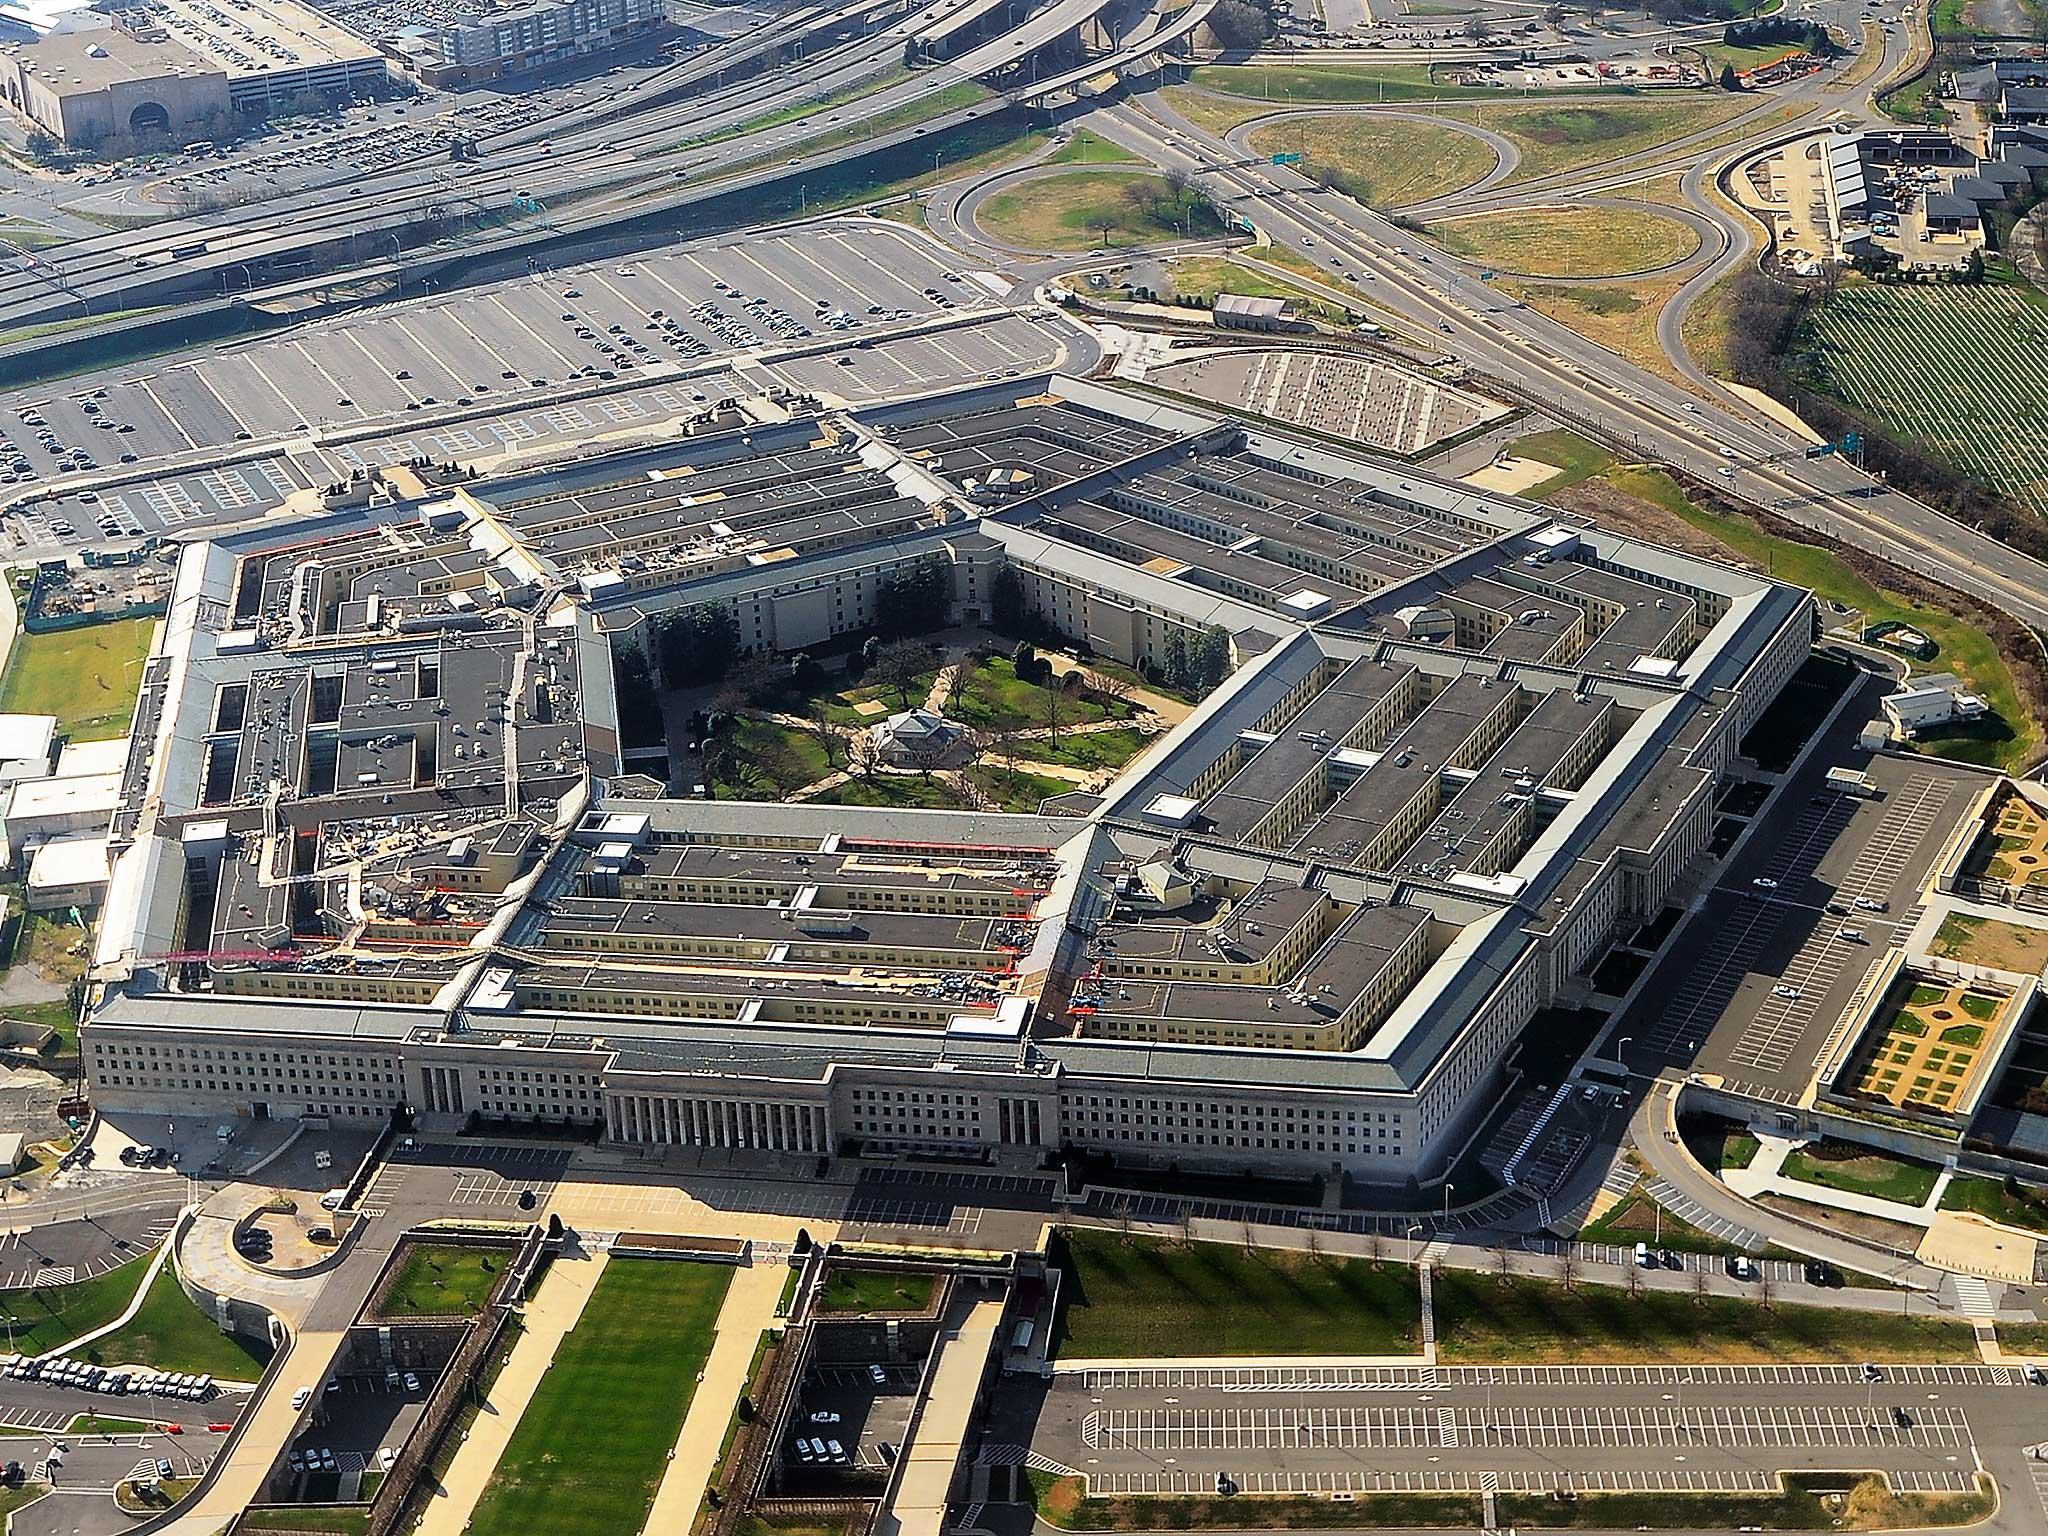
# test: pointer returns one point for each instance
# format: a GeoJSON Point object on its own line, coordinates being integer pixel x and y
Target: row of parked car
{"type": "Point", "coordinates": [63, 1371]}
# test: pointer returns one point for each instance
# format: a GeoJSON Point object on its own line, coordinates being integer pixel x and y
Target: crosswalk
{"type": "Point", "coordinates": [1974, 1297]}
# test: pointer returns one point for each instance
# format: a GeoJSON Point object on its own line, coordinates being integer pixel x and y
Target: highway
{"type": "Point", "coordinates": [1564, 373]}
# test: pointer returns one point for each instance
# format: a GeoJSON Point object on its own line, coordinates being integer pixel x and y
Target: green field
{"type": "Point", "coordinates": [1297, 85]}
{"type": "Point", "coordinates": [1955, 368]}
{"type": "Point", "coordinates": [594, 1440]}
{"type": "Point", "coordinates": [86, 677]}
{"type": "Point", "coordinates": [1569, 242]}
{"type": "Point", "coordinates": [1149, 1298]}
{"type": "Point", "coordinates": [170, 1333]}
{"type": "Point", "coordinates": [1384, 163]}
{"type": "Point", "coordinates": [864, 1290]}
{"type": "Point", "coordinates": [1082, 210]}
{"type": "Point", "coordinates": [1085, 749]}
{"type": "Point", "coordinates": [444, 1280]}
{"type": "Point", "coordinates": [46, 1316]}
{"type": "Point", "coordinates": [1862, 1171]}
{"type": "Point", "coordinates": [1482, 1319]}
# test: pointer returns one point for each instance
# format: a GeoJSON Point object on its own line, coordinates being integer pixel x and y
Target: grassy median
{"type": "Point", "coordinates": [594, 1440]}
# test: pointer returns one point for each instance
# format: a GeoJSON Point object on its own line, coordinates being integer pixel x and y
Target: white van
{"type": "Point", "coordinates": [331, 1201]}
{"type": "Point", "coordinates": [1644, 1258]}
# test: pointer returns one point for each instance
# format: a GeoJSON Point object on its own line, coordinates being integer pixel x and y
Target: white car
{"type": "Point", "coordinates": [386, 1456]}
{"type": "Point", "coordinates": [301, 1397]}
{"type": "Point", "coordinates": [1784, 991]}
{"type": "Point", "coordinates": [825, 1416]}
{"type": "Point", "coordinates": [1764, 883]}
{"type": "Point", "coordinates": [412, 1382]}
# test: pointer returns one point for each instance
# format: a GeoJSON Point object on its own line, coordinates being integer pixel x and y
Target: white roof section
{"type": "Point", "coordinates": [68, 861]}
{"type": "Point", "coordinates": [80, 759]}
{"type": "Point", "coordinates": [57, 797]}
{"type": "Point", "coordinates": [26, 737]}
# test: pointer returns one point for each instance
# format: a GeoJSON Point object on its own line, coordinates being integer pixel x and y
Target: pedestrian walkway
{"type": "Point", "coordinates": [748, 1310]}
{"type": "Point", "coordinates": [548, 1318]}
{"type": "Point", "coordinates": [1765, 1176]}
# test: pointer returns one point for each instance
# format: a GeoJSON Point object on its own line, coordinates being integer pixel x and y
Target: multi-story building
{"type": "Point", "coordinates": [376, 848]}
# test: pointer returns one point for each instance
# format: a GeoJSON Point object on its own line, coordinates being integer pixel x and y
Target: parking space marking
{"type": "Point", "coordinates": [1344, 1378]}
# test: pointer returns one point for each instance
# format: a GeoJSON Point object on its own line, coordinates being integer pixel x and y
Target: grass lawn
{"type": "Point", "coordinates": [1085, 749]}
{"type": "Point", "coordinates": [1482, 1319]}
{"type": "Point", "coordinates": [1991, 1199]}
{"type": "Point", "coordinates": [55, 1012]}
{"type": "Point", "coordinates": [1151, 1298]}
{"type": "Point", "coordinates": [444, 1280]}
{"type": "Point", "coordinates": [1575, 459]}
{"type": "Point", "coordinates": [1639, 1219]}
{"type": "Point", "coordinates": [1989, 941]}
{"type": "Point", "coordinates": [594, 1440]}
{"type": "Point", "coordinates": [892, 789]}
{"type": "Point", "coordinates": [768, 761]}
{"type": "Point", "coordinates": [1967, 651]}
{"type": "Point", "coordinates": [343, 1520]}
{"type": "Point", "coordinates": [1086, 148]}
{"type": "Point", "coordinates": [1569, 242]}
{"type": "Point", "coordinates": [1862, 1171]}
{"type": "Point", "coordinates": [1383, 164]}
{"type": "Point", "coordinates": [2024, 1339]}
{"type": "Point", "coordinates": [1718, 1144]}
{"type": "Point", "coordinates": [1062, 1503]}
{"type": "Point", "coordinates": [1558, 137]}
{"type": "Point", "coordinates": [170, 1333]}
{"type": "Point", "coordinates": [93, 1424]}
{"type": "Point", "coordinates": [995, 699]}
{"type": "Point", "coordinates": [49, 1315]}
{"type": "Point", "coordinates": [1814, 1501]}
{"type": "Point", "coordinates": [1200, 278]}
{"type": "Point", "coordinates": [1012, 789]}
{"type": "Point", "coordinates": [864, 1290]}
{"type": "Point", "coordinates": [86, 677]}
{"type": "Point", "coordinates": [1070, 211]}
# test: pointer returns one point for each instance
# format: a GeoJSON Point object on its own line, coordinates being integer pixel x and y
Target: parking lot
{"type": "Point", "coordinates": [1336, 1429]}
{"type": "Point", "coordinates": [868, 1415]}
{"type": "Point", "coordinates": [1762, 977]}
{"type": "Point", "coordinates": [354, 1420]}
{"type": "Point", "coordinates": [485, 372]}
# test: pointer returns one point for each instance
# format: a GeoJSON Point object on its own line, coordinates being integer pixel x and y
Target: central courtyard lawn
{"type": "Point", "coordinates": [594, 1440]}
{"type": "Point", "coordinates": [863, 1290]}
{"type": "Point", "coordinates": [444, 1280]}
{"type": "Point", "coordinates": [1149, 1298]}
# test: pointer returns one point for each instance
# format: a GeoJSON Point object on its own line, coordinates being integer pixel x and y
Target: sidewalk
{"type": "Point", "coordinates": [1764, 1176]}
{"type": "Point", "coordinates": [748, 1309]}
{"type": "Point", "coordinates": [551, 1315]}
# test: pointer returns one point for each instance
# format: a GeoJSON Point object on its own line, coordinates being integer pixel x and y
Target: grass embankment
{"type": "Point", "coordinates": [1082, 210]}
{"type": "Point", "coordinates": [1384, 163]}
{"type": "Point", "coordinates": [594, 1440]}
{"type": "Point", "coordinates": [170, 1333]}
{"type": "Point", "coordinates": [864, 1290]}
{"type": "Point", "coordinates": [1141, 1298]}
{"type": "Point", "coordinates": [46, 1316]}
{"type": "Point", "coordinates": [1810, 1501]}
{"type": "Point", "coordinates": [2008, 738]}
{"type": "Point", "coordinates": [1145, 1298]}
{"type": "Point", "coordinates": [1085, 148]}
{"type": "Point", "coordinates": [1483, 1319]}
{"type": "Point", "coordinates": [1277, 87]}
{"type": "Point", "coordinates": [87, 678]}
{"type": "Point", "coordinates": [1569, 242]}
{"type": "Point", "coordinates": [2015, 1205]}
{"type": "Point", "coordinates": [444, 1280]}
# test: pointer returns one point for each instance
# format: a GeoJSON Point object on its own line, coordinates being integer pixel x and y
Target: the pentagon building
{"type": "Point", "coordinates": [378, 847]}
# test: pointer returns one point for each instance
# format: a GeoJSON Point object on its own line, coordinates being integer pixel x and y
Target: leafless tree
{"type": "Point", "coordinates": [1245, 1233]}
{"type": "Point", "coordinates": [1766, 1288]}
{"type": "Point", "coordinates": [1503, 1261]}
{"type": "Point", "coordinates": [928, 756]}
{"type": "Point", "coordinates": [955, 680]}
{"type": "Point", "coordinates": [1312, 1241]}
{"type": "Point", "coordinates": [1635, 1280]}
{"type": "Point", "coordinates": [828, 738]}
{"type": "Point", "coordinates": [1568, 1267]}
{"type": "Point", "coordinates": [1107, 686]}
{"type": "Point", "coordinates": [1375, 1247]}
{"type": "Point", "coordinates": [1123, 1218]}
{"type": "Point", "coordinates": [901, 665]}
{"type": "Point", "coordinates": [1055, 701]}
{"type": "Point", "coordinates": [863, 755]}
{"type": "Point", "coordinates": [1184, 1219]}
{"type": "Point", "coordinates": [1702, 1283]}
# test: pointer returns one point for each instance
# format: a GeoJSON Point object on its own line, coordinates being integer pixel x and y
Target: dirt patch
{"type": "Point", "coordinates": [1892, 1234]}
{"type": "Point", "coordinates": [1626, 514]}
